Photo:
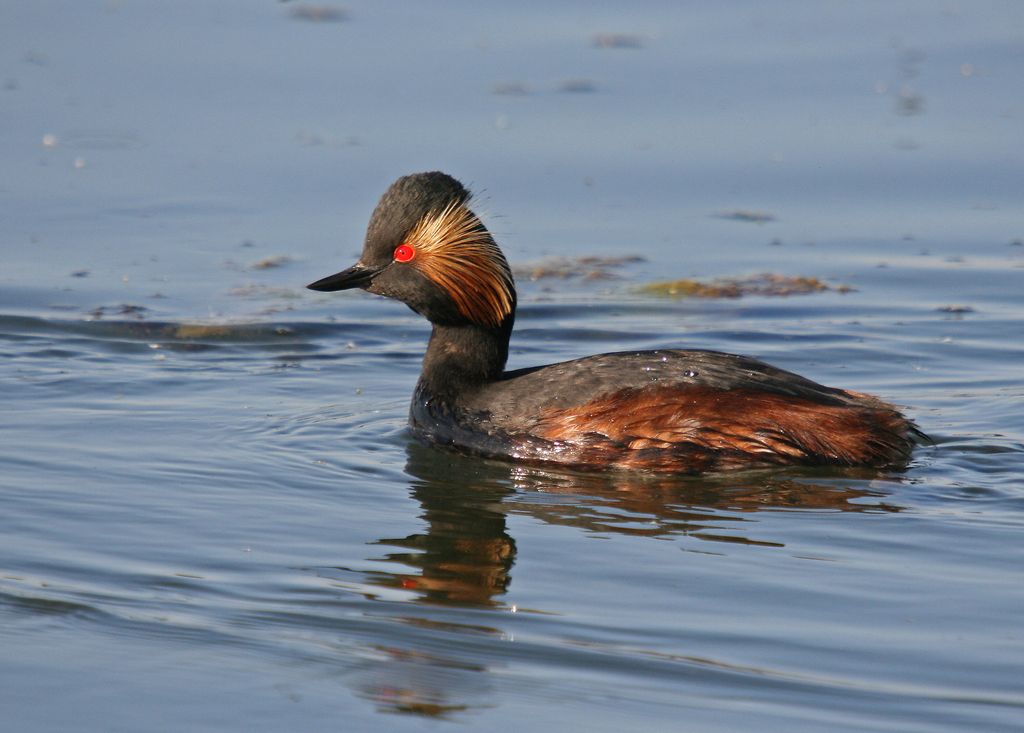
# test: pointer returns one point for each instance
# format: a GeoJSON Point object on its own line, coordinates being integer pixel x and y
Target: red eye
{"type": "Point", "coordinates": [404, 253]}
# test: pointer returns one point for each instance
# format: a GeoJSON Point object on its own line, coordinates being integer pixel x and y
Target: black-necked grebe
{"type": "Point", "coordinates": [667, 410]}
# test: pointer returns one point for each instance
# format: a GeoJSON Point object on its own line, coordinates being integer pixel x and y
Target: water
{"type": "Point", "coordinates": [213, 518]}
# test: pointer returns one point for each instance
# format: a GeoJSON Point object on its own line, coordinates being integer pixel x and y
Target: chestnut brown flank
{"type": "Point", "coordinates": [716, 426]}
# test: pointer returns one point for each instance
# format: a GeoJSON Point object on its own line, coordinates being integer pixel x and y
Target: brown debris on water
{"type": "Point", "coordinates": [198, 331]}
{"type": "Point", "coordinates": [326, 140]}
{"type": "Point", "coordinates": [129, 310]}
{"type": "Point", "coordinates": [577, 86]}
{"type": "Point", "coordinates": [744, 215]}
{"type": "Point", "coordinates": [765, 284]}
{"type": "Point", "coordinates": [511, 89]}
{"type": "Point", "coordinates": [320, 13]}
{"type": "Point", "coordinates": [218, 332]}
{"type": "Point", "coordinates": [565, 268]}
{"type": "Point", "coordinates": [268, 263]}
{"type": "Point", "coordinates": [617, 40]}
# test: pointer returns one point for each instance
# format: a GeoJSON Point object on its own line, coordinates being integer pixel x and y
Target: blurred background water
{"type": "Point", "coordinates": [213, 518]}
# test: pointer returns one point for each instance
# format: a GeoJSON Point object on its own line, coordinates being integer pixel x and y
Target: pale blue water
{"type": "Point", "coordinates": [228, 528]}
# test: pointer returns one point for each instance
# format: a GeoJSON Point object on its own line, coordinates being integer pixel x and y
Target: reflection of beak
{"type": "Point", "coordinates": [357, 276]}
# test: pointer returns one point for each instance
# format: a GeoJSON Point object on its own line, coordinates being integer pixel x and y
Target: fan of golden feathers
{"type": "Point", "coordinates": [457, 253]}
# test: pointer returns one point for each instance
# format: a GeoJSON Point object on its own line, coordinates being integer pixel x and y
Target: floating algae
{"type": "Point", "coordinates": [766, 284]}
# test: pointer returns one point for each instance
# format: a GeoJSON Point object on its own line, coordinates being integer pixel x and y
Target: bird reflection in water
{"type": "Point", "coordinates": [463, 559]}
{"type": "Point", "coordinates": [465, 554]}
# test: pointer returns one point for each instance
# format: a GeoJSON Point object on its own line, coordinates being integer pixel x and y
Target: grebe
{"type": "Point", "coordinates": [666, 410]}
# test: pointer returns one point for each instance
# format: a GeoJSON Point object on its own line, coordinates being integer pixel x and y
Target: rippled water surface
{"type": "Point", "coordinates": [212, 515]}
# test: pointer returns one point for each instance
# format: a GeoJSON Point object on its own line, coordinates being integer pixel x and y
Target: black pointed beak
{"type": "Point", "coordinates": [356, 276]}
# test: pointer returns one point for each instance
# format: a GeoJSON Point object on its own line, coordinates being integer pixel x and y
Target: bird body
{"type": "Point", "coordinates": [672, 410]}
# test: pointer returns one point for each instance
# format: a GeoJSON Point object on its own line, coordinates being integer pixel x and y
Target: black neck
{"type": "Point", "coordinates": [460, 357]}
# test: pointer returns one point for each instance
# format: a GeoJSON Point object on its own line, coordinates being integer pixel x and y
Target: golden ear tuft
{"type": "Point", "coordinates": [459, 255]}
